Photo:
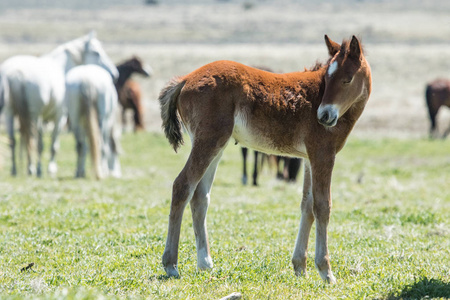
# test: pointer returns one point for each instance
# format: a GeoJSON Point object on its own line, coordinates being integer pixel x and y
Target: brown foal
{"type": "Point", "coordinates": [302, 114]}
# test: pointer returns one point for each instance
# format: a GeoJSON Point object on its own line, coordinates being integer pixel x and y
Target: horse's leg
{"type": "Point", "coordinates": [12, 140]}
{"type": "Point", "coordinates": [54, 146]}
{"type": "Point", "coordinates": [255, 169]}
{"type": "Point", "coordinates": [244, 159]}
{"type": "Point", "coordinates": [30, 143]}
{"type": "Point", "coordinates": [287, 161]}
{"type": "Point", "coordinates": [432, 111]}
{"type": "Point", "coordinates": [294, 167]}
{"type": "Point", "coordinates": [105, 149]}
{"type": "Point", "coordinates": [81, 147]}
{"type": "Point", "coordinates": [114, 163]}
{"type": "Point", "coordinates": [203, 153]}
{"type": "Point", "coordinates": [40, 148]}
{"type": "Point", "coordinates": [306, 221]}
{"type": "Point", "coordinates": [124, 119]}
{"type": "Point", "coordinates": [278, 159]}
{"type": "Point", "coordinates": [137, 114]}
{"type": "Point", "coordinates": [447, 132]}
{"type": "Point", "coordinates": [321, 170]}
{"type": "Point", "coordinates": [199, 207]}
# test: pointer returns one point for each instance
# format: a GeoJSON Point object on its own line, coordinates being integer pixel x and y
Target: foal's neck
{"type": "Point", "coordinates": [124, 74]}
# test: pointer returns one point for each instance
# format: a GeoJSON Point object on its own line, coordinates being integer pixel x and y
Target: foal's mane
{"type": "Point", "coordinates": [319, 65]}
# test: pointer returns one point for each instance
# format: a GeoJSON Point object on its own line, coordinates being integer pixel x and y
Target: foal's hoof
{"type": "Point", "coordinates": [172, 271]}
{"type": "Point", "coordinates": [331, 279]}
{"type": "Point", "coordinates": [205, 264]}
{"type": "Point", "coordinates": [328, 277]}
{"type": "Point", "coordinates": [301, 273]}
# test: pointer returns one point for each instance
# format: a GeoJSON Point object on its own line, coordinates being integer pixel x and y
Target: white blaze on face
{"type": "Point", "coordinates": [333, 67]}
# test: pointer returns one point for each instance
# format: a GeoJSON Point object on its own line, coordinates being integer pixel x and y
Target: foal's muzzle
{"type": "Point", "coordinates": [328, 115]}
{"type": "Point", "coordinates": [147, 71]}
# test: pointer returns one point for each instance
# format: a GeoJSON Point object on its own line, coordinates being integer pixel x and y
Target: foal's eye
{"type": "Point", "coordinates": [347, 80]}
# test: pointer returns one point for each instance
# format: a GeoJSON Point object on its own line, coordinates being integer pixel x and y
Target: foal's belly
{"type": "Point", "coordinates": [269, 141]}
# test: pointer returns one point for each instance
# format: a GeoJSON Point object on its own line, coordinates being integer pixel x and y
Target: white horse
{"type": "Point", "coordinates": [33, 89]}
{"type": "Point", "coordinates": [93, 105]}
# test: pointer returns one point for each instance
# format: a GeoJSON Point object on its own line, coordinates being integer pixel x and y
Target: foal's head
{"type": "Point", "coordinates": [347, 80]}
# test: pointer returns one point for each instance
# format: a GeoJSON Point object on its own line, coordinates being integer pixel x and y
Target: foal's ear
{"type": "Point", "coordinates": [333, 47]}
{"type": "Point", "coordinates": [355, 48]}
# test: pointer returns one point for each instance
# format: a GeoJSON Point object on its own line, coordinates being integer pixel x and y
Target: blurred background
{"type": "Point", "coordinates": [407, 43]}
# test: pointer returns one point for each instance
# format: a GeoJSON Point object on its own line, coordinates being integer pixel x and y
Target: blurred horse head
{"type": "Point", "coordinates": [33, 89]}
{"type": "Point", "coordinates": [302, 114]}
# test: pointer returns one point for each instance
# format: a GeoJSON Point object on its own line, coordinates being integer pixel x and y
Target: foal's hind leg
{"type": "Point", "coordinates": [199, 207]}
{"type": "Point", "coordinates": [307, 219]}
{"type": "Point", "coordinates": [203, 154]}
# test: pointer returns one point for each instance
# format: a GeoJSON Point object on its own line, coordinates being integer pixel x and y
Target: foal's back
{"type": "Point", "coordinates": [260, 105]}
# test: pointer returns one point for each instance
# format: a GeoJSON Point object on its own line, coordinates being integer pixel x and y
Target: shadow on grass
{"type": "Point", "coordinates": [163, 277]}
{"type": "Point", "coordinates": [423, 288]}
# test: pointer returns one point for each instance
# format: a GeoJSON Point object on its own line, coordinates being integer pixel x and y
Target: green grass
{"type": "Point", "coordinates": [389, 234]}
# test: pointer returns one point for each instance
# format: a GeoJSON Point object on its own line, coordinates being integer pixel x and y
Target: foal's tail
{"type": "Point", "coordinates": [168, 99]}
{"type": "Point", "coordinates": [89, 111]}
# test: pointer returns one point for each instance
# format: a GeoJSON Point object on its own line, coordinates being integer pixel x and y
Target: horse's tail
{"type": "Point", "coordinates": [3, 90]}
{"type": "Point", "coordinates": [430, 105]}
{"type": "Point", "coordinates": [90, 115]}
{"type": "Point", "coordinates": [168, 99]}
{"type": "Point", "coordinates": [15, 93]}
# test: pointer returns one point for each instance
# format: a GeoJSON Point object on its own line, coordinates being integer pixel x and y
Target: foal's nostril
{"type": "Point", "coordinates": [325, 117]}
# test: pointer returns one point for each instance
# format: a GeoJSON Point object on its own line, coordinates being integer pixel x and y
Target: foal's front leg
{"type": "Point", "coordinates": [321, 170]}
{"type": "Point", "coordinates": [301, 245]}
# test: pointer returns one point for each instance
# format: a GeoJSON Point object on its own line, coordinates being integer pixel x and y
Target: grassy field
{"type": "Point", "coordinates": [389, 235]}
{"type": "Point", "coordinates": [389, 232]}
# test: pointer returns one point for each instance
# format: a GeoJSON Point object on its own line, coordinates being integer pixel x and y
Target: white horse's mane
{"type": "Point", "coordinates": [75, 47]}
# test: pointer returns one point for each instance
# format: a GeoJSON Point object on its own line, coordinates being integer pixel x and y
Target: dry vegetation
{"type": "Point", "coordinates": [406, 43]}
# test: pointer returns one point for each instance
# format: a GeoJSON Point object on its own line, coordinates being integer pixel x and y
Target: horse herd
{"type": "Point", "coordinates": [306, 115]}
{"type": "Point", "coordinates": [78, 81]}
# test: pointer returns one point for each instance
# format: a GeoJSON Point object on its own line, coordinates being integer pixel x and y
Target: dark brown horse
{"type": "Point", "coordinates": [302, 114]}
{"type": "Point", "coordinates": [437, 94]}
{"type": "Point", "coordinates": [129, 92]}
{"type": "Point", "coordinates": [287, 172]}
{"type": "Point", "coordinates": [291, 167]}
